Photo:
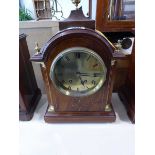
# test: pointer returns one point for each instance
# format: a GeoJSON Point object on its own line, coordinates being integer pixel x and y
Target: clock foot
{"type": "Point", "coordinates": [79, 117]}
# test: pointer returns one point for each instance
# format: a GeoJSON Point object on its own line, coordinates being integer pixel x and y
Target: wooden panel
{"type": "Point", "coordinates": [77, 19]}
{"type": "Point", "coordinates": [29, 92]}
{"type": "Point", "coordinates": [127, 91]}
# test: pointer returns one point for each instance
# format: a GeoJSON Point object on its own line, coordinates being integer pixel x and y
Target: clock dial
{"type": "Point", "coordinates": [78, 71]}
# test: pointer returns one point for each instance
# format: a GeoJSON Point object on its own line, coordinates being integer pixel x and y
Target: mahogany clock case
{"type": "Point", "coordinates": [78, 109]}
{"type": "Point", "coordinates": [29, 93]}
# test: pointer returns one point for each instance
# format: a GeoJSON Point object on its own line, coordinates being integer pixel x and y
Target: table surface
{"type": "Point", "coordinates": [40, 138]}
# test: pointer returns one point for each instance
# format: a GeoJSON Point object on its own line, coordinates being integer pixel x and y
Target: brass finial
{"type": "Point", "coordinates": [76, 2]}
{"type": "Point", "coordinates": [37, 48]}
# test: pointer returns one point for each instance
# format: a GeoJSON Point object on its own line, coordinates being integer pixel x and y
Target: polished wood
{"type": "Point", "coordinates": [122, 65]}
{"type": "Point", "coordinates": [77, 19]}
{"type": "Point", "coordinates": [114, 30]}
{"type": "Point", "coordinates": [78, 37]}
{"type": "Point", "coordinates": [124, 82]}
{"type": "Point", "coordinates": [127, 91]}
{"type": "Point", "coordinates": [103, 24]}
{"type": "Point", "coordinates": [29, 93]}
{"type": "Point", "coordinates": [82, 117]}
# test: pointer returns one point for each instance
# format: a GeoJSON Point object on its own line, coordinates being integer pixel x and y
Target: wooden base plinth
{"type": "Point", "coordinates": [79, 117]}
{"type": "Point", "coordinates": [27, 115]}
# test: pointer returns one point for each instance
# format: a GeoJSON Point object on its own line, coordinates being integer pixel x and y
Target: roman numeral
{"type": "Point", "coordinates": [88, 58]}
{"type": "Point", "coordinates": [69, 87]}
{"type": "Point", "coordinates": [93, 82]}
{"type": "Point", "coordinates": [70, 81]}
{"type": "Point", "coordinates": [77, 55]}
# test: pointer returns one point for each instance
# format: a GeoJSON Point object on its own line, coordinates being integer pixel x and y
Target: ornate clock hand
{"type": "Point", "coordinates": [83, 74]}
{"type": "Point", "coordinates": [89, 74]}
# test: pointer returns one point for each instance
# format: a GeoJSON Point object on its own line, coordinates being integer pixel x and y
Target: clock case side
{"type": "Point", "coordinates": [29, 93]}
{"type": "Point", "coordinates": [127, 91]}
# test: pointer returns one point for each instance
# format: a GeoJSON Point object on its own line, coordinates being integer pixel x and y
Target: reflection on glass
{"type": "Point", "coordinates": [121, 10]}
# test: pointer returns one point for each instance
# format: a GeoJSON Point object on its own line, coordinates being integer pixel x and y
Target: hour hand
{"type": "Point", "coordinates": [83, 74]}
{"type": "Point", "coordinates": [90, 74]}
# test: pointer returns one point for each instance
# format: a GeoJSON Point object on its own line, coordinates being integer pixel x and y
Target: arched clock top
{"type": "Point", "coordinates": [75, 32]}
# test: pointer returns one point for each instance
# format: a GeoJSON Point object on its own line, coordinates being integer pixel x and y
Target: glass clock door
{"type": "Point", "coordinates": [121, 10]}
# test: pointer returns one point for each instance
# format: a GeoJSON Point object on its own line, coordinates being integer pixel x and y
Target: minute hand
{"type": "Point", "coordinates": [90, 74]}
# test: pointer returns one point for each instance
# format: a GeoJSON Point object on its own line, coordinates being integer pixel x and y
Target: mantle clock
{"type": "Point", "coordinates": [78, 68]}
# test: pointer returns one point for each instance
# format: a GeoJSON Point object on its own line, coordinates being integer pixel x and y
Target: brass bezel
{"type": "Point", "coordinates": [76, 93]}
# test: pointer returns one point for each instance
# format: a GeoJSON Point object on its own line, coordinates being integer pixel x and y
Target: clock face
{"type": "Point", "coordinates": [78, 71]}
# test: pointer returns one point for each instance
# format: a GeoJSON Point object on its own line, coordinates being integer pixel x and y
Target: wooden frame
{"type": "Point", "coordinates": [29, 93]}
{"type": "Point", "coordinates": [39, 6]}
{"type": "Point", "coordinates": [104, 25]}
{"type": "Point", "coordinates": [127, 91]}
